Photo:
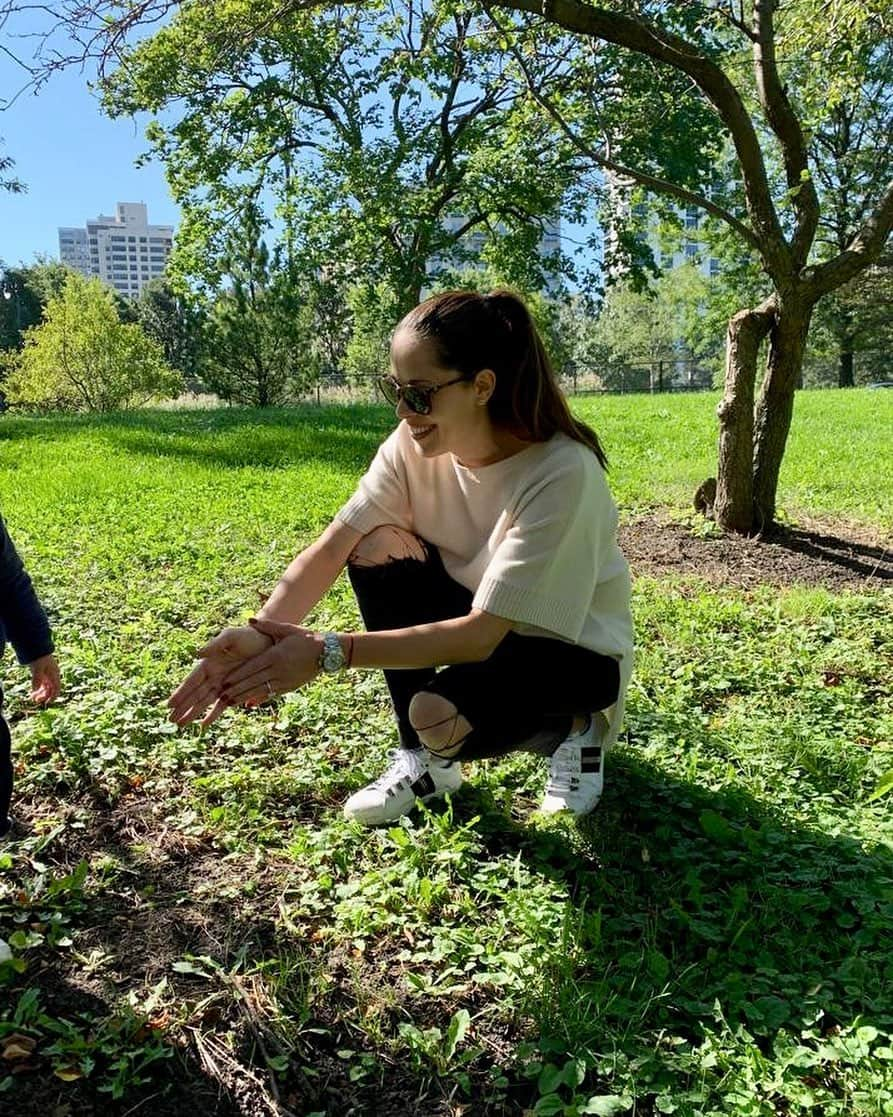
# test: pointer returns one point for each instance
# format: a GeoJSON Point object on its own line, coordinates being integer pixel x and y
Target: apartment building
{"type": "Point", "coordinates": [125, 250]}
{"type": "Point", "coordinates": [473, 242]}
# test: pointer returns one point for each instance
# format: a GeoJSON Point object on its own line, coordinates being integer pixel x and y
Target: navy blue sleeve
{"type": "Point", "coordinates": [21, 614]}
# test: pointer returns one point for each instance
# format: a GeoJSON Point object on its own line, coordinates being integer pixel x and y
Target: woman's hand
{"type": "Point", "coordinates": [198, 696]}
{"type": "Point", "coordinates": [45, 682]}
{"type": "Point", "coordinates": [292, 662]}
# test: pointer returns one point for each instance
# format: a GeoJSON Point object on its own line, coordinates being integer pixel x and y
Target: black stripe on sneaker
{"type": "Point", "coordinates": [591, 760]}
{"type": "Point", "coordinates": [423, 786]}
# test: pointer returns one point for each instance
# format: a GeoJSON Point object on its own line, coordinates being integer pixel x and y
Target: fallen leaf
{"type": "Point", "coordinates": [17, 1046]}
{"type": "Point", "coordinates": [68, 1074]}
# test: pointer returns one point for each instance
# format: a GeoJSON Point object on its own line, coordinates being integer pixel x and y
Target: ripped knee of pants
{"type": "Point", "coordinates": [387, 544]}
{"type": "Point", "coordinates": [439, 725]}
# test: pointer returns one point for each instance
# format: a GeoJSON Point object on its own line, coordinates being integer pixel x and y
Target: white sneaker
{"type": "Point", "coordinates": [576, 772]}
{"type": "Point", "coordinates": [412, 774]}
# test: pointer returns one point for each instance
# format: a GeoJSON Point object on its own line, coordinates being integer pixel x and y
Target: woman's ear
{"type": "Point", "coordinates": [484, 386]}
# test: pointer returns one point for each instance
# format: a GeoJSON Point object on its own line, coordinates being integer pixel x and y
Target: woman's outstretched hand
{"type": "Point", "coordinates": [291, 662]}
{"type": "Point", "coordinates": [198, 696]}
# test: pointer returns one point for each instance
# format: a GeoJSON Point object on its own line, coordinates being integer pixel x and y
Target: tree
{"type": "Point", "coordinates": [853, 331]}
{"type": "Point", "coordinates": [380, 132]}
{"type": "Point", "coordinates": [760, 114]}
{"type": "Point", "coordinates": [654, 93]}
{"type": "Point", "coordinates": [175, 323]}
{"type": "Point", "coordinates": [24, 293]}
{"type": "Point", "coordinates": [258, 334]}
{"type": "Point", "coordinates": [851, 150]}
{"type": "Point", "coordinates": [82, 358]}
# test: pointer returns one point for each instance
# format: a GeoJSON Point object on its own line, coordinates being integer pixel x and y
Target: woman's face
{"type": "Point", "coordinates": [458, 415]}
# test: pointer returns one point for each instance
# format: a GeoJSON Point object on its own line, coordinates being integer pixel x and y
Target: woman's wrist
{"type": "Point", "coordinates": [335, 651]}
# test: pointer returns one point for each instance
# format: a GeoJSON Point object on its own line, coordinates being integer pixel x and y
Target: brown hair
{"type": "Point", "coordinates": [471, 332]}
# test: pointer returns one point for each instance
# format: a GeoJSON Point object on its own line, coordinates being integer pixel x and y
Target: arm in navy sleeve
{"type": "Point", "coordinates": [21, 615]}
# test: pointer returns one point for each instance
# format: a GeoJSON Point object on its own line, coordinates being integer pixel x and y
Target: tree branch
{"type": "Point", "coordinates": [651, 182]}
{"type": "Point", "coordinates": [784, 123]}
{"type": "Point", "coordinates": [646, 38]}
{"type": "Point", "coordinates": [863, 250]}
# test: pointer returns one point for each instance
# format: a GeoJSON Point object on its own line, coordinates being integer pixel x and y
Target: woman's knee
{"type": "Point", "coordinates": [387, 543]}
{"type": "Point", "coordinates": [438, 723]}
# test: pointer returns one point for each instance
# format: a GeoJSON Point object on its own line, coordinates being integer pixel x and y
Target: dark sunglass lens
{"type": "Point", "coordinates": [388, 389]}
{"type": "Point", "coordinates": [418, 399]}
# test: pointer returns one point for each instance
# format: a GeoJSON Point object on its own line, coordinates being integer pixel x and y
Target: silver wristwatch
{"type": "Point", "coordinates": [332, 656]}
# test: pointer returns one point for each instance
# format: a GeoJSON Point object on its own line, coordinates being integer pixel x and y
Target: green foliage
{"type": "Point", "coordinates": [374, 312]}
{"type": "Point", "coordinates": [24, 293]}
{"type": "Point", "coordinates": [852, 332]}
{"type": "Point", "coordinates": [368, 127]}
{"type": "Point", "coordinates": [81, 357]}
{"type": "Point", "coordinates": [174, 323]}
{"type": "Point", "coordinates": [640, 335]}
{"type": "Point", "coordinates": [10, 184]}
{"type": "Point", "coordinates": [258, 334]}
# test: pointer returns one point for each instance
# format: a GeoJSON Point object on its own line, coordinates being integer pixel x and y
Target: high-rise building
{"type": "Point", "coordinates": [125, 250]}
{"type": "Point", "coordinates": [472, 244]}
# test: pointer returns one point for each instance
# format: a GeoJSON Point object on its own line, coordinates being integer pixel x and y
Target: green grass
{"type": "Point", "coordinates": [838, 463]}
{"type": "Point", "coordinates": [714, 940]}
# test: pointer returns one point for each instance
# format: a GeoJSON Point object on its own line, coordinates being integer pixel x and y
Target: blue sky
{"type": "Point", "coordinates": [75, 162]}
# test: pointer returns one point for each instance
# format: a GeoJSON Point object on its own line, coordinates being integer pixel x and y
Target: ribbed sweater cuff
{"type": "Point", "coordinates": [361, 514]}
{"type": "Point", "coordinates": [515, 603]}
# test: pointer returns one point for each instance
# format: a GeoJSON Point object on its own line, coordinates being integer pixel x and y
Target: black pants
{"type": "Point", "coordinates": [524, 696]}
{"type": "Point", "coordinates": [5, 767]}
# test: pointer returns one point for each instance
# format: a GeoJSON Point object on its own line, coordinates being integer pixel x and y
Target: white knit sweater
{"type": "Point", "coordinates": [533, 536]}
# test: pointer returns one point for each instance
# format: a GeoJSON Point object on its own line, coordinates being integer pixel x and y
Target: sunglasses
{"type": "Point", "coordinates": [417, 397]}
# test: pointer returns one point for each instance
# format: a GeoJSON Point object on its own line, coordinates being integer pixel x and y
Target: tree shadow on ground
{"type": "Point", "coordinates": [694, 911]}
{"type": "Point", "coordinates": [346, 435]}
{"type": "Point", "coordinates": [871, 561]}
{"type": "Point", "coordinates": [184, 899]}
{"type": "Point", "coordinates": [715, 909]}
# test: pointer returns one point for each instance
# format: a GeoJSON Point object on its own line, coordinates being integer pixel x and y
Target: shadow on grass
{"type": "Point", "coordinates": [708, 908]}
{"type": "Point", "coordinates": [692, 913]}
{"type": "Point", "coordinates": [343, 435]}
{"type": "Point", "coordinates": [156, 912]}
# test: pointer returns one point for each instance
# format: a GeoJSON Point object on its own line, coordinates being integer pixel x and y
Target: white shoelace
{"type": "Point", "coordinates": [404, 763]}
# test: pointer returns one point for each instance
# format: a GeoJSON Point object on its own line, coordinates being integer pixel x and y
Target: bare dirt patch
{"type": "Point", "coordinates": [838, 557]}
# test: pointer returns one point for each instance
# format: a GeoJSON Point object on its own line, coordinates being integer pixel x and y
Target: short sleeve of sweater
{"type": "Point", "coordinates": [382, 496]}
{"type": "Point", "coordinates": [545, 569]}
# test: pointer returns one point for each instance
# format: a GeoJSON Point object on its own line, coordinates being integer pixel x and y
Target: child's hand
{"type": "Point", "coordinates": [45, 682]}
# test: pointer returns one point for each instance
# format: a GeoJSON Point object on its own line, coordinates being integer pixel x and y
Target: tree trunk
{"type": "Point", "coordinates": [775, 407]}
{"type": "Point", "coordinates": [733, 509]}
{"type": "Point", "coordinates": [845, 366]}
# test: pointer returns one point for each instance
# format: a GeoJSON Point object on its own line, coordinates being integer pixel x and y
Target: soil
{"type": "Point", "coordinates": [183, 895]}
{"type": "Point", "coordinates": [837, 556]}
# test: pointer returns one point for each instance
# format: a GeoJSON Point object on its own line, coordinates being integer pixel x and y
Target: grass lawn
{"type": "Point", "coordinates": [196, 929]}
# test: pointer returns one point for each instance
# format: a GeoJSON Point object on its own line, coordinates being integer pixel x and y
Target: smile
{"type": "Point", "coordinates": [419, 433]}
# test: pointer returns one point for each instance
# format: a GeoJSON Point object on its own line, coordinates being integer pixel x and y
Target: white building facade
{"type": "Point", "coordinates": [473, 243]}
{"type": "Point", "coordinates": [125, 251]}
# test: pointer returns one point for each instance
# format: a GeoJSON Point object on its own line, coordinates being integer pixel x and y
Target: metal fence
{"type": "Point", "coordinates": [657, 376]}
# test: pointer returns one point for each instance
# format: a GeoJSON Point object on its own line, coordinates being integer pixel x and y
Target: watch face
{"type": "Point", "coordinates": [333, 656]}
